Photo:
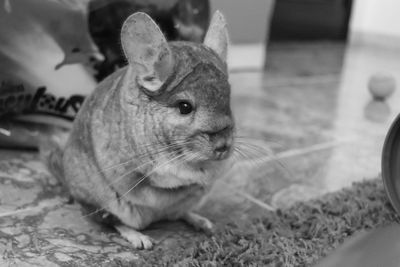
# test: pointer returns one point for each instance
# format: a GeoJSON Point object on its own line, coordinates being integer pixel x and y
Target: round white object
{"type": "Point", "coordinates": [381, 86]}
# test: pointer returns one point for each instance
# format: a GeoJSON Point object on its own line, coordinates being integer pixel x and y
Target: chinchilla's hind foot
{"type": "Point", "coordinates": [200, 223]}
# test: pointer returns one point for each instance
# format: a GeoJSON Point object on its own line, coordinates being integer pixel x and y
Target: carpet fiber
{"type": "Point", "coordinates": [297, 236]}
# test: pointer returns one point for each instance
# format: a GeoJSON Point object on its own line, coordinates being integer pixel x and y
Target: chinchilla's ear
{"type": "Point", "coordinates": [217, 35]}
{"type": "Point", "coordinates": [147, 51]}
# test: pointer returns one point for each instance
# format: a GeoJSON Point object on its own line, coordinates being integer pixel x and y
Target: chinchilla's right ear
{"type": "Point", "coordinates": [147, 52]}
{"type": "Point", "coordinates": [217, 37]}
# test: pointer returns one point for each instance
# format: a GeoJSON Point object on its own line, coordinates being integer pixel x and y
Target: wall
{"type": "Point", "coordinates": [247, 20]}
{"type": "Point", "coordinates": [248, 23]}
{"type": "Point", "coordinates": [376, 17]}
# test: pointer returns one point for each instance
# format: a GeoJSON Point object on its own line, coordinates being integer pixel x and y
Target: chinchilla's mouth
{"type": "Point", "coordinates": [208, 155]}
{"type": "Point", "coordinates": [218, 155]}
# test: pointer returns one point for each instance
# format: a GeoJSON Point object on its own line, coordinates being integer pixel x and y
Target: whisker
{"type": "Point", "coordinates": [117, 165]}
{"type": "Point", "coordinates": [145, 145]}
{"type": "Point", "coordinates": [141, 179]}
{"type": "Point", "coordinates": [164, 149]}
{"type": "Point", "coordinates": [261, 140]}
{"type": "Point", "coordinates": [127, 173]}
{"type": "Point", "coordinates": [151, 172]}
{"type": "Point", "coordinates": [250, 160]}
{"type": "Point", "coordinates": [255, 150]}
{"type": "Point", "coordinates": [260, 153]}
{"type": "Point", "coordinates": [130, 172]}
{"type": "Point", "coordinates": [245, 153]}
{"type": "Point", "coordinates": [161, 150]}
{"type": "Point", "coordinates": [239, 151]}
{"type": "Point", "coordinates": [139, 156]}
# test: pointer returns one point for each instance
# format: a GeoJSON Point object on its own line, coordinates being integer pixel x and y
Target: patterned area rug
{"type": "Point", "coordinates": [38, 227]}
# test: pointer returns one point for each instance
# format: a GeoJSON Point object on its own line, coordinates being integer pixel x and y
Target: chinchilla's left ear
{"type": "Point", "coordinates": [217, 37]}
{"type": "Point", "coordinates": [147, 52]}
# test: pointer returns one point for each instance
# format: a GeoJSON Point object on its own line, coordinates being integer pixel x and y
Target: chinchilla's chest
{"type": "Point", "coordinates": [154, 203]}
{"type": "Point", "coordinates": [175, 192]}
{"type": "Point", "coordinates": [179, 201]}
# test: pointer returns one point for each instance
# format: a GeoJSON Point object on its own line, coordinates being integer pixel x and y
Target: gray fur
{"type": "Point", "coordinates": [122, 122]}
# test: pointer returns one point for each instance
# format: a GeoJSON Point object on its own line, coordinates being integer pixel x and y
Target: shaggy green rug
{"type": "Point", "coordinates": [297, 236]}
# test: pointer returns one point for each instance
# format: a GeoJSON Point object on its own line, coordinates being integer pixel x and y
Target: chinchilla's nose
{"type": "Point", "coordinates": [222, 140]}
{"type": "Point", "coordinates": [222, 145]}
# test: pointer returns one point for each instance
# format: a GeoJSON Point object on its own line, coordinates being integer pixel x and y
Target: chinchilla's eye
{"type": "Point", "coordinates": [185, 107]}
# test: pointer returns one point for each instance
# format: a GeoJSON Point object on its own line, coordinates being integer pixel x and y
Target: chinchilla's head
{"type": "Point", "coordinates": [181, 91]}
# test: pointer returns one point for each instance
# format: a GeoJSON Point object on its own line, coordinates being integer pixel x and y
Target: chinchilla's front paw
{"type": "Point", "coordinates": [137, 239]}
{"type": "Point", "coordinates": [199, 223]}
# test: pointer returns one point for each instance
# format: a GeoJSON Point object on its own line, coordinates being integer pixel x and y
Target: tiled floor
{"type": "Point", "coordinates": [310, 116]}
